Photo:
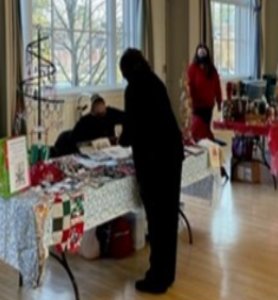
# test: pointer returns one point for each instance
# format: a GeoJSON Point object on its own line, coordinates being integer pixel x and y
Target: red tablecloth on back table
{"type": "Point", "coordinates": [241, 127]}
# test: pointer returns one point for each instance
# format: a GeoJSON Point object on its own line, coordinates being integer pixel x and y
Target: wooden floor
{"type": "Point", "coordinates": [234, 257]}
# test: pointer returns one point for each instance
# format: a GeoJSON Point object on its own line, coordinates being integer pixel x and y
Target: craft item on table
{"type": "Point", "coordinates": [45, 172]}
{"type": "Point", "coordinates": [68, 222]}
{"type": "Point", "coordinates": [77, 223]}
{"type": "Point", "coordinates": [227, 111]}
{"type": "Point", "coordinates": [72, 168]}
{"type": "Point", "coordinates": [122, 169]}
{"type": "Point", "coordinates": [61, 215]}
{"type": "Point", "coordinates": [113, 172]}
{"type": "Point", "coordinates": [126, 169]}
{"type": "Point", "coordinates": [68, 185]}
{"type": "Point", "coordinates": [14, 167]}
{"type": "Point", "coordinates": [41, 211]}
{"type": "Point", "coordinates": [38, 153]}
{"type": "Point", "coordinates": [215, 152]}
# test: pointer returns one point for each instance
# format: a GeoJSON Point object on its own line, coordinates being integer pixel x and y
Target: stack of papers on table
{"type": "Point", "coordinates": [118, 152]}
{"type": "Point", "coordinates": [194, 150]}
{"type": "Point", "coordinates": [92, 162]}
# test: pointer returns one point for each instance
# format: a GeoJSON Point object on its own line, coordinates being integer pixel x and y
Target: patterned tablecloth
{"type": "Point", "coordinates": [18, 235]}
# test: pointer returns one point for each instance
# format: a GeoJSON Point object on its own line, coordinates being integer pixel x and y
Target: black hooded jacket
{"type": "Point", "coordinates": [151, 127]}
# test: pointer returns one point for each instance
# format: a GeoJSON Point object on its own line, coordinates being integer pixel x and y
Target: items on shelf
{"type": "Point", "coordinates": [248, 105]}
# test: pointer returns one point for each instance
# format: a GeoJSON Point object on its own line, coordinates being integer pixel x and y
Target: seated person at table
{"type": "Point", "coordinates": [99, 123]}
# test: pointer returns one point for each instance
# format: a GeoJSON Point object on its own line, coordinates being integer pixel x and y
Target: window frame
{"type": "Point", "coordinates": [239, 4]}
{"type": "Point", "coordinates": [129, 32]}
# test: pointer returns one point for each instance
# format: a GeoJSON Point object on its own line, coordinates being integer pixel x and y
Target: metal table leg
{"type": "Point", "coordinates": [62, 259]}
{"type": "Point", "coordinates": [20, 281]}
{"type": "Point", "coordinates": [183, 215]}
{"type": "Point", "coordinates": [266, 163]}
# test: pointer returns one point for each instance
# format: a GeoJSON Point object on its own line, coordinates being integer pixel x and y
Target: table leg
{"type": "Point", "coordinates": [20, 281]}
{"type": "Point", "coordinates": [265, 161]}
{"type": "Point", "coordinates": [183, 215]}
{"type": "Point", "coordinates": [62, 259]}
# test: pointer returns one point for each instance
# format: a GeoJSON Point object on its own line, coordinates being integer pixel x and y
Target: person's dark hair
{"type": "Point", "coordinates": [208, 64]}
{"type": "Point", "coordinates": [133, 63]}
{"type": "Point", "coordinates": [96, 98]}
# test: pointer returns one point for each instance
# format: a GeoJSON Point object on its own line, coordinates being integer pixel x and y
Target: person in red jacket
{"type": "Point", "coordinates": [205, 90]}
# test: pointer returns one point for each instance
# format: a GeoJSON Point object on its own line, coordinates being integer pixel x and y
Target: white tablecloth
{"type": "Point", "coordinates": [18, 243]}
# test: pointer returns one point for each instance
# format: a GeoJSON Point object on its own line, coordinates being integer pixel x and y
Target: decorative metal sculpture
{"type": "Point", "coordinates": [39, 92]}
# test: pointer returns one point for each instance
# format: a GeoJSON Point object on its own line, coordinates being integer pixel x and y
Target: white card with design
{"type": "Point", "coordinates": [18, 164]}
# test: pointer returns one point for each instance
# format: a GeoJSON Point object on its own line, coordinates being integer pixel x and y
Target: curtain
{"type": "Point", "coordinates": [3, 102]}
{"type": "Point", "coordinates": [258, 40]}
{"type": "Point", "coordinates": [11, 100]}
{"type": "Point", "coordinates": [145, 29]}
{"type": "Point", "coordinates": [206, 29]}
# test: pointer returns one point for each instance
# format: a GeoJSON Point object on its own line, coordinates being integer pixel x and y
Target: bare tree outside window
{"type": "Point", "coordinates": [232, 30]}
{"type": "Point", "coordinates": [80, 35]}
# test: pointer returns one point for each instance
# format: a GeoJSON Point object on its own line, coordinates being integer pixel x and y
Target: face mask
{"type": "Point", "coordinates": [202, 59]}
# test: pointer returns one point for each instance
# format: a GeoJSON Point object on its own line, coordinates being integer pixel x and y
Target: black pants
{"type": "Point", "coordinates": [204, 113]}
{"type": "Point", "coordinates": [159, 185]}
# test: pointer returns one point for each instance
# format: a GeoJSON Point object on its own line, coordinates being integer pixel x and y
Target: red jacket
{"type": "Point", "coordinates": [204, 91]}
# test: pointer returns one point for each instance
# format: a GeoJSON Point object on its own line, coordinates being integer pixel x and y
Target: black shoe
{"type": "Point", "coordinates": [148, 286]}
{"type": "Point", "coordinates": [224, 174]}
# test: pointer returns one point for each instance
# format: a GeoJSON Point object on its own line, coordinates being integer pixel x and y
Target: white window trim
{"type": "Point", "coordinates": [129, 41]}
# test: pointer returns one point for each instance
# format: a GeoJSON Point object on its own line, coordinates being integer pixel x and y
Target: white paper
{"type": "Point", "coordinates": [92, 163]}
{"type": "Point", "coordinates": [118, 152]}
{"type": "Point", "coordinates": [18, 164]}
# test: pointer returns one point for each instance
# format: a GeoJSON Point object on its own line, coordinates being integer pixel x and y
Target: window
{"type": "Point", "coordinates": [233, 37]}
{"type": "Point", "coordinates": [86, 39]}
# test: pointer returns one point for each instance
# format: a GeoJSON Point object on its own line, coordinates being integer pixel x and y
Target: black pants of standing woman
{"type": "Point", "coordinates": [159, 183]}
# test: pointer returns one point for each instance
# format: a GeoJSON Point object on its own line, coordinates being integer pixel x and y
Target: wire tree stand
{"type": "Point", "coordinates": [44, 111]}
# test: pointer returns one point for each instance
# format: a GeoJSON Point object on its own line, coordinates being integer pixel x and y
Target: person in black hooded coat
{"type": "Point", "coordinates": [152, 131]}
